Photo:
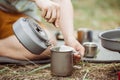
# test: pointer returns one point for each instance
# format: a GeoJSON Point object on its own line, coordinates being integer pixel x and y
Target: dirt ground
{"type": "Point", "coordinates": [82, 71]}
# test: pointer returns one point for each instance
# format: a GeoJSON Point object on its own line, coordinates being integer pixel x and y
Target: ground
{"type": "Point", "coordinates": [93, 14]}
{"type": "Point", "coordinates": [83, 71]}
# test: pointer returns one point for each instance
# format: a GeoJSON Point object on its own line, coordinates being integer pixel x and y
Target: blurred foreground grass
{"type": "Point", "coordinates": [96, 14]}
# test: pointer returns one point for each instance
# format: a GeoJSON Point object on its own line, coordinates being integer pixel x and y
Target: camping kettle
{"type": "Point", "coordinates": [31, 35]}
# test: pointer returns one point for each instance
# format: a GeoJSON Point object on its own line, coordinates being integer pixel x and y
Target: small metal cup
{"type": "Point", "coordinates": [61, 62]}
{"type": "Point", "coordinates": [90, 49]}
{"type": "Point", "coordinates": [84, 35]}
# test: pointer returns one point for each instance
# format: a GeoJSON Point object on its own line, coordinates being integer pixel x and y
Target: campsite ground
{"type": "Point", "coordinates": [93, 14]}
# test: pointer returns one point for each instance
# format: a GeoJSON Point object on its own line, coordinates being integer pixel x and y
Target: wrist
{"type": "Point", "coordinates": [68, 35]}
{"type": "Point", "coordinates": [69, 38]}
{"type": "Point", "coordinates": [39, 3]}
{"type": "Point", "coordinates": [33, 0]}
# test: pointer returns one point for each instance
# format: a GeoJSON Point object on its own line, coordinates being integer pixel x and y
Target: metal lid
{"type": "Point", "coordinates": [31, 35]}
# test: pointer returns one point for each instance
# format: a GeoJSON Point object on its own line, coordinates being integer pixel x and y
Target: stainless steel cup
{"type": "Point", "coordinates": [84, 35]}
{"type": "Point", "coordinates": [90, 49]}
{"type": "Point", "coordinates": [61, 62]}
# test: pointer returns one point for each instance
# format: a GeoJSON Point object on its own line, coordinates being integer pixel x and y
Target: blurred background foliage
{"type": "Point", "coordinates": [96, 14]}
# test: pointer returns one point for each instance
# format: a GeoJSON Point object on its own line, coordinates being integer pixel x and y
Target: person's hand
{"type": "Point", "coordinates": [71, 41]}
{"type": "Point", "coordinates": [50, 11]}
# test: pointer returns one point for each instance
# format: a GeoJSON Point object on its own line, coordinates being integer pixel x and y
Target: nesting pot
{"type": "Point", "coordinates": [84, 35]}
{"type": "Point", "coordinates": [111, 39]}
{"type": "Point", "coordinates": [90, 49]}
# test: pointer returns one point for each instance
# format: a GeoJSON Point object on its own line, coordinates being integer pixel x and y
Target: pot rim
{"type": "Point", "coordinates": [90, 44]}
{"type": "Point", "coordinates": [53, 50]}
{"type": "Point", "coordinates": [107, 39]}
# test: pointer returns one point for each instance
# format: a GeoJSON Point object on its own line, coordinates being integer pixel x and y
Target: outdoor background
{"type": "Point", "coordinates": [93, 14]}
{"type": "Point", "coordinates": [96, 14]}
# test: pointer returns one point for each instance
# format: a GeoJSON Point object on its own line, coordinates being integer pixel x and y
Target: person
{"type": "Point", "coordinates": [57, 12]}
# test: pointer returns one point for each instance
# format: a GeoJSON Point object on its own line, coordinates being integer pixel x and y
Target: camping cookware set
{"type": "Point", "coordinates": [33, 37]}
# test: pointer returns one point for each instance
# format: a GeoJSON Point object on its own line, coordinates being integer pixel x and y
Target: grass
{"type": "Point", "coordinates": [96, 14]}
{"type": "Point", "coordinates": [90, 71]}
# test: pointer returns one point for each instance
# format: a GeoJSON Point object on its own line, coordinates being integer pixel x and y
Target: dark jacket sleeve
{"type": "Point", "coordinates": [6, 6]}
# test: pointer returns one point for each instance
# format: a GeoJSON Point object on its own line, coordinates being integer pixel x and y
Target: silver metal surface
{"type": "Point", "coordinates": [111, 39]}
{"type": "Point", "coordinates": [84, 35]}
{"type": "Point", "coordinates": [31, 35]}
{"type": "Point", "coordinates": [90, 49]}
{"type": "Point", "coordinates": [61, 62]}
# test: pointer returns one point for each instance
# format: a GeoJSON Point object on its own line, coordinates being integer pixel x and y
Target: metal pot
{"type": "Point", "coordinates": [111, 39]}
{"type": "Point", "coordinates": [84, 35]}
{"type": "Point", "coordinates": [31, 35]}
{"type": "Point", "coordinates": [90, 49]}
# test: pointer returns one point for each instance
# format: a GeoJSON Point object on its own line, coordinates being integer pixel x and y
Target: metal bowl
{"type": "Point", "coordinates": [111, 39]}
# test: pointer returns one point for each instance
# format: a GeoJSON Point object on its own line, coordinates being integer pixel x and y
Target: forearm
{"type": "Point", "coordinates": [66, 19]}
{"type": "Point", "coordinates": [10, 47]}
{"type": "Point", "coordinates": [7, 49]}
{"type": "Point", "coordinates": [1, 46]}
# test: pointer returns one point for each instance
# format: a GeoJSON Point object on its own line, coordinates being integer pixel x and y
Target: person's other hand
{"type": "Point", "coordinates": [50, 11]}
{"type": "Point", "coordinates": [77, 46]}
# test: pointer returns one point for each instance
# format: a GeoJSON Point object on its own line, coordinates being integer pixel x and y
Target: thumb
{"type": "Point", "coordinates": [81, 51]}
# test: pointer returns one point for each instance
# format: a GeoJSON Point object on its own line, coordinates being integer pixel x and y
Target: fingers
{"type": "Point", "coordinates": [53, 16]}
{"type": "Point", "coordinates": [57, 19]}
{"type": "Point", "coordinates": [44, 12]}
{"type": "Point", "coordinates": [80, 54]}
{"type": "Point", "coordinates": [81, 50]}
{"type": "Point", "coordinates": [76, 58]}
{"type": "Point", "coordinates": [48, 14]}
